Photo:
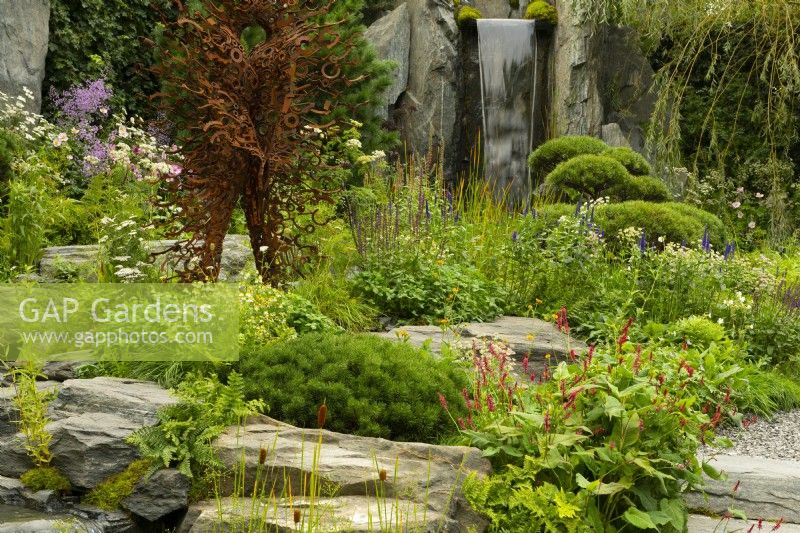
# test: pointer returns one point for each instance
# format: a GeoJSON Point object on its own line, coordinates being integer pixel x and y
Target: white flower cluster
{"type": "Point", "coordinates": [377, 155]}
{"type": "Point", "coordinates": [15, 116]}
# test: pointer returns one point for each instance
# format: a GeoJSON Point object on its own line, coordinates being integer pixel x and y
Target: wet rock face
{"type": "Point", "coordinates": [24, 34]}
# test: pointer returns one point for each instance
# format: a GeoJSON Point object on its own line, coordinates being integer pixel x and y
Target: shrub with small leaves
{"type": "Point", "coordinates": [467, 15]}
{"type": "Point", "coordinates": [596, 176]}
{"type": "Point", "coordinates": [633, 161]}
{"type": "Point", "coordinates": [372, 386]}
{"type": "Point", "coordinates": [549, 155]}
{"type": "Point", "coordinates": [541, 10]}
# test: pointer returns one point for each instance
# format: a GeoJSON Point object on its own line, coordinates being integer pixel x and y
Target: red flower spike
{"type": "Point", "coordinates": [442, 401]}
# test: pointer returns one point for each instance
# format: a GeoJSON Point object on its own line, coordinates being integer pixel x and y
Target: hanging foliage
{"type": "Point", "coordinates": [727, 82]}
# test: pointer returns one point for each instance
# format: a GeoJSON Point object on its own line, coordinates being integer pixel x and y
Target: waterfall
{"type": "Point", "coordinates": [508, 72]}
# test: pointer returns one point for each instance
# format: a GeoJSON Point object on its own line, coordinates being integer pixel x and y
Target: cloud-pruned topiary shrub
{"type": "Point", "coordinates": [674, 221]}
{"type": "Point", "coordinates": [636, 164]}
{"type": "Point", "coordinates": [372, 386]}
{"type": "Point", "coordinates": [595, 176]}
{"type": "Point", "coordinates": [541, 10]}
{"type": "Point", "coordinates": [467, 15]}
{"type": "Point", "coordinates": [550, 154]}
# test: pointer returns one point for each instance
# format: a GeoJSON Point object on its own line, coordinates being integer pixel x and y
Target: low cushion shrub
{"type": "Point", "coordinates": [595, 176]}
{"type": "Point", "coordinates": [633, 161]}
{"type": "Point", "coordinates": [674, 221]}
{"type": "Point", "coordinates": [467, 15]}
{"type": "Point", "coordinates": [547, 156]}
{"type": "Point", "coordinates": [541, 10]}
{"type": "Point", "coordinates": [372, 386]}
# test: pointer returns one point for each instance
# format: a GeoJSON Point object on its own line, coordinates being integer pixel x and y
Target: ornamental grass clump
{"type": "Point", "coordinates": [608, 439]}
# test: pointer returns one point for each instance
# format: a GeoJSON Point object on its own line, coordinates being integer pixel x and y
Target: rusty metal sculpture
{"type": "Point", "coordinates": [247, 119]}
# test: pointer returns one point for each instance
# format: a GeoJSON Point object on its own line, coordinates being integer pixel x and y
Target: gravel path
{"type": "Point", "coordinates": [777, 438]}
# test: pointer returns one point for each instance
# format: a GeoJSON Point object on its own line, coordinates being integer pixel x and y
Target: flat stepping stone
{"type": "Point", "coordinates": [531, 336]}
{"type": "Point", "coordinates": [768, 488]}
{"type": "Point", "coordinates": [706, 524]}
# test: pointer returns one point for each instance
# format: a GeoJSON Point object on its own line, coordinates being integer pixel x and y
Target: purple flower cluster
{"type": "Point", "coordinates": [83, 110]}
{"type": "Point", "coordinates": [82, 101]}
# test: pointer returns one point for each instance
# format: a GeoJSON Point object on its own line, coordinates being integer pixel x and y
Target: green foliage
{"type": "Point", "coordinates": [699, 330]}
{"type": "Point", "coordinates": [372, 386]}
{"type": "Point", "coordinates": [32, 403]}
{"type": "Point", "coordinates": [26, 220]}
{"type": "Point", "coordinates": [633, 161]}
{"type": "Point", "coordinates": [45, 478]}
{"type": "Point", "coordinates": [550, 154]}
{"type": "Point", "coordinates": [467, 15]}
{"type": "Point", "coordinates": [183, 437]}
{"type": "Point", "coordinates": [611, 438]}
{"type": "Point", "coordinates": [598, 176]}
{"type": "Point", "coordinates": [268, 314]}
{"type": "Point", "coordinates": [673, 221]}
{"type": "Point", "coordinates": [109, 494]}
{"type": "Point", "coordinates": [373, 76]}
{"type": "Point", "coordinates": [92, 38]}
{"type": "Point", "coordinates": [542, 10]}
{"type": "Point", "coordinates": [418, 289]}
{"type": "Point", "coordinates": [330, 292]}
{"type": "Point", "coordinates": [9, 149]}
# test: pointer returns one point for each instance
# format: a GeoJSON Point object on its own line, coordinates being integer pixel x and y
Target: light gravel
{"type": "Point", "coordinates": [774, 438]}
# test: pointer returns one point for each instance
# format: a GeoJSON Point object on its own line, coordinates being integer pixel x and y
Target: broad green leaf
{"type": "Point", "coordinates": [711, 472]}
{"type": "Point", "coordinates": [639, 519]}
{"type": "Point", "coordinates": [613, 408]}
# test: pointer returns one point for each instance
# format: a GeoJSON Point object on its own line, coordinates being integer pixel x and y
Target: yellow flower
{"type": "Point", "coordinates": [538, 301]}
{"type": "Point", "coordinates": [531, 337]}
{"type": "Point", "coordinates": [440, 262]}
{"type": "Point", "coordinates": [555, 316]}
{"type": "Point", "coordinates": [455, 290]}
{"type": "Point", "coordinates": [547, 356]}
{"type": "Point", "coordinates": [444, 322]}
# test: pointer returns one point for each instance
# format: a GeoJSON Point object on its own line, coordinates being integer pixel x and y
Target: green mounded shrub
{"type": "Point", "coordinates": [674, 221]}
{"type": "Point", "coordinates": [45, 478]}
{"type": "Point", "coordinates": [699, 330]}
{"type": "Point", "coordinates": [541, 10]}
{"type": "Point", "coordinates": [633, 161]}
{"type": "Point", "coordinates": [467, 15]}
{"type": "Point", "coordinates": [646, 188]}
{"type": "Point", "coordinates": [372, 386]}
{"type": "Point", "coordinates": [550, 154]}
{"type": "Point", "coordinates": [596, 176]}
{"type": "Point", "coordinates": [109, 494]}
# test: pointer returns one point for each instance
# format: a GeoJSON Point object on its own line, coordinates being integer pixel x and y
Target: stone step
{"type": "Point", "coordinates": [768, 488]}
{"type": "Point", "coordinates": [706, 524]}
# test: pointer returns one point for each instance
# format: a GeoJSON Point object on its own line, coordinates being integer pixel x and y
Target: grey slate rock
{"type": "Point", "coordinates": [768, 488]}
{"type": "Point", "coordinates": [165, 492]}
{"type": "Point", "coordinates": [390, 36]}
{"type": "Point", "coordinates": [24, 38]}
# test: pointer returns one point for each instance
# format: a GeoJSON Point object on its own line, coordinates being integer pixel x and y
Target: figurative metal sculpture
{"type": "Point", "coordinates": [246, 120]}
